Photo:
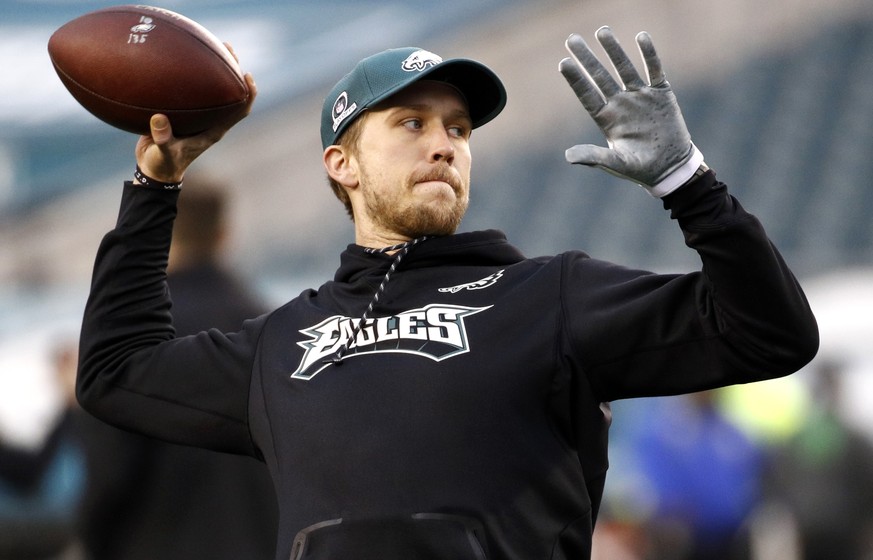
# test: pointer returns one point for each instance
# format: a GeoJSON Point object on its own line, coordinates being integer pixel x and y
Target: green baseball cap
{"type": "Point", "coordinates": [381, 75]}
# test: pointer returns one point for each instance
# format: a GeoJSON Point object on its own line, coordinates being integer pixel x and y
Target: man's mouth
{"type": "Point", "coordinates": [439, 177]}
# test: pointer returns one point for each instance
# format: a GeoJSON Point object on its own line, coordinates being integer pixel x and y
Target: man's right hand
{"type": "Point", "coordinates": [163, 157]}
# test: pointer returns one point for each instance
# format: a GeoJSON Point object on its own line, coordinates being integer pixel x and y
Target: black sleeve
{"type": "Point", "coordinates": [133, 372]}
{"type": "Point", "coordinates": [743, 317]}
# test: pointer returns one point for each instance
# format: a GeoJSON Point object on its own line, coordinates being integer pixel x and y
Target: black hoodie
{"type": "Point", "coordinates": [466, 420]}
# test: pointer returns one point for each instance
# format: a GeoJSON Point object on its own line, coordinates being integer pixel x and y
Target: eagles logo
{"type": "Point", "coordinates": [436, 332]}
{"type": "Point", "coordinates": [486, 282]}
{"type": "Point", "coordinates": [420, 60]}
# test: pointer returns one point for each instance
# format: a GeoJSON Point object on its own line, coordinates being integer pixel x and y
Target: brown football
{"type": "Point", "coordinates": [126, 63]}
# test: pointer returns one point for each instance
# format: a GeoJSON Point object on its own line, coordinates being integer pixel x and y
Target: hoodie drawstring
{"type": "Point", "coordinates": [403, 249]}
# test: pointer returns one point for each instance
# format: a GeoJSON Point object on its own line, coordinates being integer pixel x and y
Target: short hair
{"type": "Point", "coordinates": [200, 221]}
{"type": "Point", "coordinates": [349, 140]}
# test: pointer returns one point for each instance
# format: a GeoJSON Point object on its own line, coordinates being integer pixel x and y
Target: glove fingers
{"type": "Point", "coordinates": [620, 61]}
{"type": "Point", "coordinates": [582, 86]}
{"type": "Point", "coordinates": [651, 59]}
{"type": "Point", "coordinates": [589, 154]}
{"type": "Point", "coordinates": [599, 74]}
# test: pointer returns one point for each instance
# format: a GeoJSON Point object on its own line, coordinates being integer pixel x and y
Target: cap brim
{"type": "Point", "coordinates": [481, 88]}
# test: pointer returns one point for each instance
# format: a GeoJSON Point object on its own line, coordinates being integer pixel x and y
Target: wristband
{"type": "Point", "coordinates": [143, 180]}
{"type": "Point", "coordinates": [699, 173]}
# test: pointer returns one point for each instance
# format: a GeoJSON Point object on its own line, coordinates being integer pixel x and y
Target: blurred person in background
{"type": "Point", "coordinates": [155, 500]}
{"type": "Point", "coordinates": [206, 293]}
{"type": "Point", "coordinates": [701, 479]}
{"type": "Point", "coordinates": [42, 486]}
{"type": "Point", "coordinates": [820, 481]}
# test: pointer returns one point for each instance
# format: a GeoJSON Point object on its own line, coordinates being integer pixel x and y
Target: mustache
{"type": "Point", "coordinates": [443, 174]}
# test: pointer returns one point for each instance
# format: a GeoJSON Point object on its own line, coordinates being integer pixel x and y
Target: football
{"type": "Point", "coordinates": [126, 63]}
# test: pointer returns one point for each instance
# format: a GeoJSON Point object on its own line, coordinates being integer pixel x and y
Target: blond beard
{"type": "Point", "coordinates": [415, 221]}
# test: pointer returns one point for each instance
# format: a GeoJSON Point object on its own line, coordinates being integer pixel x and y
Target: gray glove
{"type": "Point", "coordinates": [649, 143]}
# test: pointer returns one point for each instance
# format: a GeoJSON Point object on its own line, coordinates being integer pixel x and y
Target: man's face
{"type": "Point", "coordinates": [413, 160]}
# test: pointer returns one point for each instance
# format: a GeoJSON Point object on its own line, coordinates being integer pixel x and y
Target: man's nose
{"type": "Point", "coordinates": [442, 148]}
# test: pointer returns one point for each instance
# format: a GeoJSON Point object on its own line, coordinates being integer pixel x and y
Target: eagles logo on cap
{"type": "Point", "coordinates": [341, 109]}
{"type": "Point", "coordinates": [420, 60]}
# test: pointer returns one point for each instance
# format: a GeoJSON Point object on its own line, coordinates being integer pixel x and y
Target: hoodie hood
{"type": "Point", "coordinates": [478, 248]}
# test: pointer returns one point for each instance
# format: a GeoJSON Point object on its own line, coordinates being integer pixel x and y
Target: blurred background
{"type": "Point", "coordinates": [776, 94]}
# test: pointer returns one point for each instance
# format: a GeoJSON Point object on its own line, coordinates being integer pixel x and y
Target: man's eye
{"type": "Point", "coordinates": [412, 124]}
{"type": "Point", "coordinates": [458, 131]}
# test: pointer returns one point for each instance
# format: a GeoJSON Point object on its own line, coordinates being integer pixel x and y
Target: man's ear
{"type": "Point", "coordinates": [340, 167]}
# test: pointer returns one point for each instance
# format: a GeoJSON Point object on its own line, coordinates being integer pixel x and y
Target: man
{"type": "Point", "coordinates": [441, 397]}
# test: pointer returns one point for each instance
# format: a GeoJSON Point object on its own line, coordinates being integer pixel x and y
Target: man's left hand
{"type": "Point", "coordinates": [648, 140]}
